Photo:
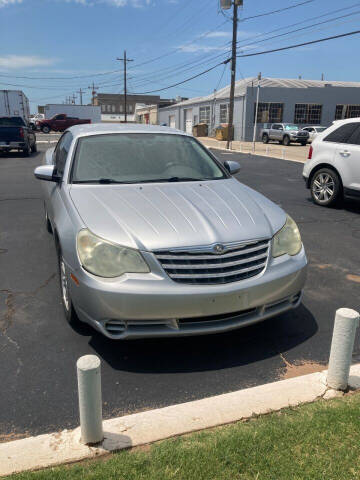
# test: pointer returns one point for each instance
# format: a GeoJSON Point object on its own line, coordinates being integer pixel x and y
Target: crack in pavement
{"type": "Point", "coordinates": [7, 319]}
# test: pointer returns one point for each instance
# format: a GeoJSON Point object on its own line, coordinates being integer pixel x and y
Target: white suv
{"type": "Point", "coordinates": [332, 170]}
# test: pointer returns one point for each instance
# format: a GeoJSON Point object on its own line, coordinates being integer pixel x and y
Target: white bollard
{"type": "Point", "coordinates": [342, 344]}
{"type": "Point", "coordinates": [283, 153]}
{"type": "Point", "coordinates": [90, 402]}
{"type": "Point", "coordinates": [267, 149]}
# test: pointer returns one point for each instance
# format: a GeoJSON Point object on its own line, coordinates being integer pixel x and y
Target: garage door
{"type": "Point", "coordinates": [188, 120]}
{"type": "Point", "coordinates": [172, 123]}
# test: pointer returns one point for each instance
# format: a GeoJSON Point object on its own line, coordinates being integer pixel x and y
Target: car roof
{"type": "Point", "coordinates": [87, 129]}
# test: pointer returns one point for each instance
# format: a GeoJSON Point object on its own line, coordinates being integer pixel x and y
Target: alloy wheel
{"type": "Point", "coordinates": [323, 187]}
{"type": "Point", "coordinates": [64, 286]}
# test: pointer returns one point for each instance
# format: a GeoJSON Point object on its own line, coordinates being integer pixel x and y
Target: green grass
{"type": "Point", "coordinates": [316, 441]}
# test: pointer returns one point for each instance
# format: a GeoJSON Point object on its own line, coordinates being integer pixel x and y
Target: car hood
{"type": "Point", "coordinates": [155, 216]}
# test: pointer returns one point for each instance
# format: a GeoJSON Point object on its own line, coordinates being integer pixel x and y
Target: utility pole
{"type": "Point", "coordinates": [73, 99]}
{"type": "Point", "coordinates": [125, 60]}
{"type": "Point", "coordinates": [80, 92]}
{"type": "Point", "coordinates": [93, 89]}
{"type": "Point", "coordinates": [256, 110]}
{"type": "Point", "coordinates": [236, 3]}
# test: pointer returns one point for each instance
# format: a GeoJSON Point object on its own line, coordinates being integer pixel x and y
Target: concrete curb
{"type": "Point", "coordinates": [142, 428]}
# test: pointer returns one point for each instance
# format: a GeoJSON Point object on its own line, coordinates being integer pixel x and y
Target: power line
{"type": "Point", "coordinates": [302, 28]}
{"type": "Point", "coordinates": [277, 11]}
{"type": "Point", "coordinates": [60, 78]}
{"type": "Point", "coordinates": [186, 80]}
{"type": "Point", "coordinates": [300, 44]}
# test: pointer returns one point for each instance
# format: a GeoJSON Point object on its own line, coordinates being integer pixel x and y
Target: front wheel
{"type": "Point", "coordinates": [69, 310]}
{"type": "Point", "coordinates": [265, 138]}
{"type": "Point", "coordinates": [303, 144]}
{"type": "Point", "coordinates": [45, 129]}
{"type": "Point", "coordinates": [286, 141]}
{"type": "Point", "coordinates": [34, 148]}
{"type": "Point", "coordinates": [325, 187]}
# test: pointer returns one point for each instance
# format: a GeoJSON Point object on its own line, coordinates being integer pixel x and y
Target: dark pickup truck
{"type": "Point", "coordinates": [59, 123]}
{"type": "Point", "coordinates": [16, 134]}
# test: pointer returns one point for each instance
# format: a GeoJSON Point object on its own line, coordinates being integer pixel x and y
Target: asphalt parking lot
{"type": "Point", "coordinates": [38, 349]}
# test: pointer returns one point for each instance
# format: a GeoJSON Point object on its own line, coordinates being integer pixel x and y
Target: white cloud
{"type": "Point", "coordinates": [23, 61]}
{"type": "Point", "coordinates": [194, 47]}
{"type": "Point", "coordinates": [114, 3]}
{"type": "Point", "coordinates": [4, 3]}
{"type": "Point", "coordinates": [216, 35]}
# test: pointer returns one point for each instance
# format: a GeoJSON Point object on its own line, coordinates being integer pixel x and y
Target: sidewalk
{"type": "Point", "coordinates": [294, 152]}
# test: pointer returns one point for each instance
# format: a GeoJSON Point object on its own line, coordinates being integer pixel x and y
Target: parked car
{"type": "Point", "coordinates": [35, 118]}
{"type": "Point", "coordinates": [332, 170]}
{"type": "Point", "coordinates": [313, 131]}
{"type": "Point", "coordinates": [16, 134]}
{"type": "Point", "coordinates": [284, 133]}
{"type": "Point", "coordinates": [59, 123]}
{"type": "Point", "coordinates": [156, 238]}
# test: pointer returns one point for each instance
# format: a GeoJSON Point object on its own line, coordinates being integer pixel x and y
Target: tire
{"type": "Point", "coordinates": [45, 129]}
{"type": "Point", "coordinates": [286, 141]}
{"type": "Point", "coordinates": [325, 187]}
{"type": "Point", "coordinates": [27, 151]}
{"type": "Point", "coordinates": [34, 148]}
{"type": "Point", "coordinates": [265, 138]}
{"type": "Point", "coordinates": [47, 222]}
{"type": "Point", "coordinates": [69, 310]}
{"type": "Point", "coordinates": [303, 144]}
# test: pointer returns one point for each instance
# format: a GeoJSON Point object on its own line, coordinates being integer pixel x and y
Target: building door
{"type": "Point", "coordinates": [188, 123]}
{"type": "Point", "coordinates": [172, 123]}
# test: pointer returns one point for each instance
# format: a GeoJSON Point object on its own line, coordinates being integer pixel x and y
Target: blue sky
{"type": "Point", "coordinates": [58, 39]}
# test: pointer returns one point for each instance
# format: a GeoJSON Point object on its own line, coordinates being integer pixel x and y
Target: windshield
{"type": "Point", "coordinates": [139, 157]}
{"type": "Point", "coordinates": [320, 129]}
{"type": "Point", "coordinates": [12, 121]}
{"type": "Point", "coordinates": [291, 127]}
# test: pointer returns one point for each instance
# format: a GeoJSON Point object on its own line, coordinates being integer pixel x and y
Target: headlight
{"type": "Point", "coordinates": [105, 259]}
{"type": "Point", "coordinates": [287, 240]}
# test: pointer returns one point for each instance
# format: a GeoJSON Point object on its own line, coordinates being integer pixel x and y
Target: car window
{"type": "Point", "coordinates": [60, 117]}
{"type": "Point", "coordinates": [291, 127]}
{"type": "Point", "coordinates": [320, 129]}
{"type": "Point", "coordinates": [276, 126]}
{"type": "Point", "coordinates": [342, 134]}
{"type": "Point", "coordinates": [354, 138]}
{"type": "Point", "coordinates": [142, 157]}
{"type": "Point", "coordinates": [62, 151]}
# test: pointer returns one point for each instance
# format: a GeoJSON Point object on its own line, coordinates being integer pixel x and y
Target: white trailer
{"type": "Point", "coordinates": [90, 112]}
{"type": "Point", "coordinates": [14, 103]}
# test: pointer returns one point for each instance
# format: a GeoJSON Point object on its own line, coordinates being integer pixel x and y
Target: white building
{"type": "Point", "coordinates": [303, 102]}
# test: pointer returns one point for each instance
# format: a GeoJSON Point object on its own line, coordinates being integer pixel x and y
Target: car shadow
{"type": "Point", "coordinates": [208, 352]}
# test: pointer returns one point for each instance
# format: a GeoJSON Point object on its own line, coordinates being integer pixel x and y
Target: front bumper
{"type": "Point", "coordinates": [153, 305]}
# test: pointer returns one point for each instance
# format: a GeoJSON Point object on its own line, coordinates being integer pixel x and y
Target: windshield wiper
{"type": "Point", "coordinates": [172, 179]}
{"type": "Point", "coordinates": [103, 181]}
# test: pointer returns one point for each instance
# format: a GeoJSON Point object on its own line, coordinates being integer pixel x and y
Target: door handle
{"type": "Point", "coordinates": [345, 153]}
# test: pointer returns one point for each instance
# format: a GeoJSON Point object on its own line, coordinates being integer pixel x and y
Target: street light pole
{"type": "Point", "coordinates": [233, 71]}
{"type": "Point", "coordinates": [256, 110]}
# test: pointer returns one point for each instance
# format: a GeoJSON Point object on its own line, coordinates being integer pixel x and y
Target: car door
{"type": "Point", "coordinates": [59, 159]}
{"type": "Point", "coordinates": [60, 123]}
{"type": "Point", "coordinates": [347, 156]}
{"type": "Point", "coordinates": [277, 131]}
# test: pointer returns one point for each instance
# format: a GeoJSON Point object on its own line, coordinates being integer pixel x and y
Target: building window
{"type": "Point", "coordinates": [103, 108]}
{"type": "Point", "coordinates": [308, 113]}
{"type": "Point", "coordinates": [130, 109]}
{"type": "Point", "coordinates": [121, 108]}
{"type": "Point", "coordinates": [269, 112]}
{"type": "Point", "coordinates": [204, 115]}
{"type": "Point", "coordinates": [224, 113]}
{"type": "Point", "coordinates": [113, 108]}
{"type": "Point", "coordinates": [347, 111]}
{"type": "Point", "coordinates": [108, 107]}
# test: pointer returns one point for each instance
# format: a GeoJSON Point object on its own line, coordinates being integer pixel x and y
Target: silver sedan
{"type": "Point", "coordinates": [156, 238]}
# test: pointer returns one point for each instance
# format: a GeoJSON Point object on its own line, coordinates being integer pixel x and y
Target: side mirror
{"type": "Point", "coordinates": [46, 172]}
{"type": "Point", "coordinates": [232, 167]}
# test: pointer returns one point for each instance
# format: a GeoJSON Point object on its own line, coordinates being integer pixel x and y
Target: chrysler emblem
{"type": "Point", "coordinates": [218, 248]}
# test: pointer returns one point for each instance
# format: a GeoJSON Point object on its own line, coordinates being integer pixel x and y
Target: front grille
{"type": "Point", "coordinates": [302, 134]}
{"type": "Point", "coordinates": [194, 266]}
